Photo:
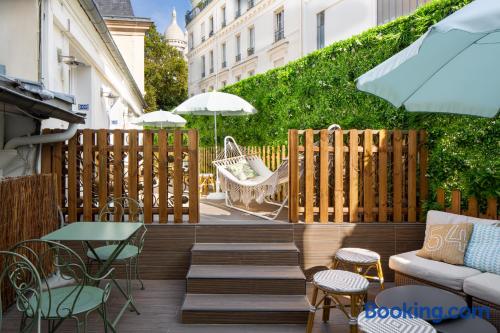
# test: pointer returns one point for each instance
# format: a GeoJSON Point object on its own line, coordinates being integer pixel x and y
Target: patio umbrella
{"type": "Point", "coordinates": [453, 68]}
{"type": "Point", "coordinates": [160, 119]}
{"type": "Point", "coordinates": [212, 104]}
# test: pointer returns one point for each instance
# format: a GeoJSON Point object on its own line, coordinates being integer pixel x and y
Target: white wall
{"type": "Point", "coordinates": [19, 38]}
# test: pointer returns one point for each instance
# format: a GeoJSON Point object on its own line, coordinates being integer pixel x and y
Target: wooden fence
{"type": "Point", "coordinates": [487, 209]}
{"type": "Point", "coordinates": [27, 211]}
{"type": "Point", "coordinates": [159, 168]}
{"type": "Point", "coordinates": [357, 175]}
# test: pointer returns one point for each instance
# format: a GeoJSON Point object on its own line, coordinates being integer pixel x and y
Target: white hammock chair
{"type": "Point", "coordinates": [258, 189]}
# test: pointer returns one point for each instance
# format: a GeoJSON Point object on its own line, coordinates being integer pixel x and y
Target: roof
{"type": "Point", "coordinates": [173, 31]}
{"type": "Point", "coordinates": [121, 8]}
{"type": "Point", "coordinates": [32, 99]}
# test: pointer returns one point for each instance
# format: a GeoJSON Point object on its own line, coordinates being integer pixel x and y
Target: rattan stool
{"type": "Point", "coordinates": [334, 284]}
{"type": "Point", "coordinates": [362, 260]}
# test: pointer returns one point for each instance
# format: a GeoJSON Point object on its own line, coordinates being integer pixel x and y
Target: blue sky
{"type": "Point", "coordinates": [160, 11]}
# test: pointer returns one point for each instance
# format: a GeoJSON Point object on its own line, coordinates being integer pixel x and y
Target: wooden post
{"type": "Point", "coordinates": [178, 176]}
{"type": "Point", "coordinates": [162, 175]}
{"type": "Point", "coordinates": [323, 177]}
{"type": "Point", "coordinates": [148, 176]}
{"type": "Point", "coordinates": [88, 157]}
{"type": "Point", "coordinates": [491, 209]}
{"type": "Point", "coordinates": [293, 176]}
{"type": "Point", "coordinates": [72, 178]}
{"type": "Point", "coordinates": [397, 148]}
{"type": "Point", "coordinates": [368, 176]}
{"type": "Point", "coordinates": [382, 175]}
{"type": "Point", "coordinates": [132, 164]}
{"type": "Point", "coordinates": [455, 202]}
{"type": "Point", "coordinates": [472, 207]}
{"type": "Point", "coordinates": [338, 198]}
{"type": "Point", "coordinates": [117, 168]}
{"type": "Point", "coordinates": [194, 207]}
{"type": "Point", "coordinates": [412, 176]}
{"type": "Point", "coordinates": [46, 163]}
{"type": "Point", "coordinates": [309, 176]}
{"type": "Point", "coordinates": [353, 176]}
{"type": "Point", "coordinates": [440, 198]}
{"type": "Point", "coordinates": [102, 145]}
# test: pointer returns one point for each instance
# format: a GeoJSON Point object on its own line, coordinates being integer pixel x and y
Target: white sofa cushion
{"type": "Point", "coordinates": [441, 273]}
{"type": "Point", "coordinates": [438, 217]}
{"type": "Point", "coordinates": [485, 286]}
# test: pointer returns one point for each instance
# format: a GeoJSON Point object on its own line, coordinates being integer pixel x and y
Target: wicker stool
{"type": "Point", "coordinates": [388, 324]}
{"type": "Point", "coordinates": [333, 284]}
{"type": "Point", "coordinates": [363, 262]}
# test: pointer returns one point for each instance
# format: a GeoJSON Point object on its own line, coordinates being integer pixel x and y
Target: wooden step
{"type": "Point", "coordinates": [241, 279]}
{"type": "Point", "coordinates": [283, 254]}
{"type": "Point", "coordinates": [245, 309]}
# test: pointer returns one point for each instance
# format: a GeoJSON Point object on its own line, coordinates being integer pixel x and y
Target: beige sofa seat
{"type": "Point", "coordinates": [485, 286]}
{"type": "Point", "coordinates": [451, 276]}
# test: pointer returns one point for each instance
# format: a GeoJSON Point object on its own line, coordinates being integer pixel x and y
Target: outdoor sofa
{"type": "Point", "coordinates": [477, 287]}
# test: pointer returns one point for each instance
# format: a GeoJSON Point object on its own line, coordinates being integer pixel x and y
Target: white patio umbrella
{"type": "Point", "coordinates": [212, 104]}
{"type": "Point", "coordinates": [160, 119]}
{"type": "Point", "coordinates": [453, 68]}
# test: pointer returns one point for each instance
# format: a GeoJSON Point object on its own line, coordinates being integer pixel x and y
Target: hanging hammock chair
{"type": "Point", "coordinates": [258, 188]}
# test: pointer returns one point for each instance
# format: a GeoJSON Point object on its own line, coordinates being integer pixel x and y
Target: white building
{"type": "Point", "coordinates": [229, 40]}
{"type": "Point", "coordinates": [175, 36]}
{"type": "Point", "coordinates": [92, 49]}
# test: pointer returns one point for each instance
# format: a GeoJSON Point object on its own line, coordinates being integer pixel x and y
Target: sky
{"type": "Point", "coordinates": [160, 11]}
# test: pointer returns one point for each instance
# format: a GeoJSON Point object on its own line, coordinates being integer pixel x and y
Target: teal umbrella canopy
{"type": "Point", "coordinates": [453, 68]}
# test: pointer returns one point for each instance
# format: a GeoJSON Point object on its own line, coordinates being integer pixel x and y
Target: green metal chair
{"type": "Point", "coordinates": [123, 209]}
{"type": "Point", "coordinates": [21, 277]}
{"type": "Point", "coordinates": [75, 300]}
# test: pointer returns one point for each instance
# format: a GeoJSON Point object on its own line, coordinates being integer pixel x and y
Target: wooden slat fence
{"type": "Point", "coordinates": [484, 208]}
{"type": "Point", "coordinates": [27, 211]}
{"type": "Point", "coordinates": [157, 167]}
{"type": "Point", "coordinates": [357, 175]}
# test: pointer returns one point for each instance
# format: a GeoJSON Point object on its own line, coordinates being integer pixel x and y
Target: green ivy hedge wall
{"type": "Point", "coordinates": [319, 89]}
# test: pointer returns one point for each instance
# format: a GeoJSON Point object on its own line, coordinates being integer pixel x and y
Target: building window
{"type": "Point", "coordinates": [211, 26]}
{"type": "Point", "coordinates": [238, 78]}
{"type": "Point", "coordinates": [223, 16]}
{"type": "Point", "coordinates": [191, 41]}
{"type": "Point", "coordinates": [251, 3]}
{"type": "Point", "coordinates": [224, 55]}
{"type": "Point", "coordinates": [224, 83]}
{"type": "Point", "coordinates": [238, 48]}
{"type": "Point", "coordinates": [251, 73]}
{"type": "Point", "coordinates": [279, 31]}
{"type": "Point", "coordinates": [251, 41]}
{"type": "Point", "coordinates": [202, 32]}
{"type": "Point", "coordinates": [211, 59]}
{"type": "Point", "coordinates": [238, 9]}
{"type": "Point", "coordinates": [320, 30]}
{"type": "Point", "coordinates": [202, 66]}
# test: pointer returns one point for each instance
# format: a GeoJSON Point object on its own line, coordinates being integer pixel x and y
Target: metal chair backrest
{"type": "Point", "coordinates": [125, 209]}
{"type": "Point", "coordinates": [21, 277]}
{"type": "Point", "coordinates": [52, 259]}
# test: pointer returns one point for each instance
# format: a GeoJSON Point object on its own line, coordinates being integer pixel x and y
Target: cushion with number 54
{"type": "Point", "coordinates": [446, 242]}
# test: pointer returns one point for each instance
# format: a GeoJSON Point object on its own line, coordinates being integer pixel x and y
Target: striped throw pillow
{"type": "Point", "coordinates": [483, 252]}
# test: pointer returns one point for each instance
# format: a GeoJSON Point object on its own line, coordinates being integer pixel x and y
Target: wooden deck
{"type": "Point", "coordinates": [160, 306]}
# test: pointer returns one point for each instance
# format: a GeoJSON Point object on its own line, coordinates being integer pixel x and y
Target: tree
{"type": "Point", "coordinates": [165, 73]}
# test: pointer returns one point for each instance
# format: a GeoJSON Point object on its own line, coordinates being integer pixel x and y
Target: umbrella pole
{"type": "Point", "coordinates": [218, 195]}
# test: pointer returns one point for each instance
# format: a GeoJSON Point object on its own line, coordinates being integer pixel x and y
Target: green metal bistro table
{"type": "Point", "coordinates": [88, 232]}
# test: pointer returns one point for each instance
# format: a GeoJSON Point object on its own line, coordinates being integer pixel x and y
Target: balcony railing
{"type": "Point", "coordinates": [250, 51]}
{"type": "Point", "coordinates": [190, 15]}
{"type": "Point", "coordinates": [211, 70]}
{"type": "Point", "coordinates": [251, 3]}
{"type": "Point", "coordinates": [202, 39]}
{"type": "Point", "coordinates": [237, 13]}
{"type": "Point", "coordinates": [238, 57]}
{"type": "Point", "coordinates": [279, 35]}
{"type": "Point", "coordinates": [202, 74]}
{"type": "Point", "coordinates": [224, 23]}
{"type": "Point", "coordinates": [210, 34]}
{"type": "Point", "coordinates": [224, 64]}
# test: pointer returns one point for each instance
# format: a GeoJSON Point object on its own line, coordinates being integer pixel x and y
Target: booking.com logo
{"type": "Point", "coordinates": [438, 313]}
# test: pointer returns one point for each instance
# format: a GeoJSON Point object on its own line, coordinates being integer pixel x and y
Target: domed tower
{"type": "Point", "coordinates": [175, 36]}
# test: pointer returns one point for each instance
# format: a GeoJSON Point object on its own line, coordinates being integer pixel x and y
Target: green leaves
{"type": "Point", "coordinates": [165, 73]}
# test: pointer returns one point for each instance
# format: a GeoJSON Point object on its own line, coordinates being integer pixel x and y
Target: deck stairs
{"type": "Point", "coordinates": [245, 283]}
